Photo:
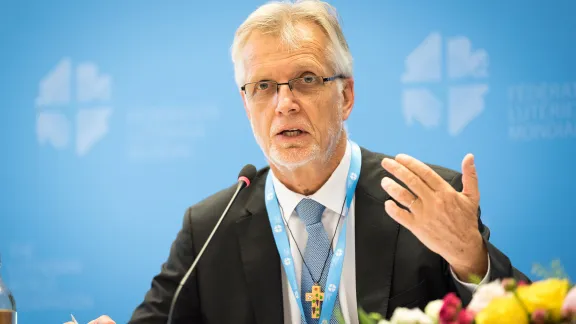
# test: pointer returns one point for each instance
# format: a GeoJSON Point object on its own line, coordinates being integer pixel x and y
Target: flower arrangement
{"type": "Point", "coordinates": [548, 301]}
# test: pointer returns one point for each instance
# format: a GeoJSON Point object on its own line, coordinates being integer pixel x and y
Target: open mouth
{"type": "Point", "coordinates": [292, 132]}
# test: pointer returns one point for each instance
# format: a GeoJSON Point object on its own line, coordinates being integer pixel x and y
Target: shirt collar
{"type": "Point", "coordinates": [331, 194]}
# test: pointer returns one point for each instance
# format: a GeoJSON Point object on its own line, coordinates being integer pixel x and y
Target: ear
{"type": "Point", "coordinates": [348, 95]}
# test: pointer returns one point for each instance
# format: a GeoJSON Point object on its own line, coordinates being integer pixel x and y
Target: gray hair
{"type": "Point", "coordinates": [279, 17]}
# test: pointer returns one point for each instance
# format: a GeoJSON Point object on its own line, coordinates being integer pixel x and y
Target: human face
{"type": "Point", "coordinates": [318, 117]}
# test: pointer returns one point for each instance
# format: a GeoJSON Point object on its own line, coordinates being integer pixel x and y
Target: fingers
{"type": "Point", "coordinates": [401, 216]}
{"type": "Point", "coordinates": [424, 172]}
{"type": "Point", "coordinates": [411, 180]}
{"type": "Point", "coordinates": [470, 178]}
{"type": "Point", "coordinates": [102, 320]}
{"type": "Point", "coordinates": [399, 193]}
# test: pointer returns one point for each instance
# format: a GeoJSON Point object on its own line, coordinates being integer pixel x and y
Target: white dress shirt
{"type": "Point", "coordinates": [331, 195]}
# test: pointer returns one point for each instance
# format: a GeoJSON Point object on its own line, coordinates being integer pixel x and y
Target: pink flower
{"type": "Point", "coordinates": [540, 316]}
{"type": "Point", "coordinates": [466, 317]}
{"type": "Point", "coordinates": [452, 300]}
{"type": "Point", "coordinates": [450, 308]}
{"type": "Point", "coordinates": [522, 283]}
{"type": "Point", "coordinates": [569, 305]}
{"type": "Point", "coordinates": [448, 314]}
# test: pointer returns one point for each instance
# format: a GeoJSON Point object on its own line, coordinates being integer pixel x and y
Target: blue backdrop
{"type": "Point", "coordinates": [116, 116]}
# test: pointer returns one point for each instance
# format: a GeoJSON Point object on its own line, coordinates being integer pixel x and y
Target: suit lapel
{"type": "Point", "coordinates": [376, 238]}
{"type": "Point", "coordinates": [260, 258]}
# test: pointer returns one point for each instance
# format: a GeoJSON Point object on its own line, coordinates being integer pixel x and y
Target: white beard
{"type": "Point", "coordinates": [315, 153]}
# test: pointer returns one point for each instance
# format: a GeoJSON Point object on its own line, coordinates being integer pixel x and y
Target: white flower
{"type": "Point", "coordinates": [484, 295]}
{"type": "Point", "coordinates": [383, 322]}
{"type": "Point", "coordinates": [410, 316]}
{"type": "Point", "coordinates": [433, 309]}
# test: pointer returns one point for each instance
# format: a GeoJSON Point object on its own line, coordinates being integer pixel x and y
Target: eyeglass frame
{"type": "Point", "coordinates": [278, 84]}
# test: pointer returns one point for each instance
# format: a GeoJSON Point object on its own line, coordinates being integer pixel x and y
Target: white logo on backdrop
{"type": "Point", "coordinates": [73, 105]}
{"type": "Point", "coordinates": [464, 70]}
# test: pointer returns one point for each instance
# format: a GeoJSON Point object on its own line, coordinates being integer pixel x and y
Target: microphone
{"type": "Point", "coordinates": [245, 177]}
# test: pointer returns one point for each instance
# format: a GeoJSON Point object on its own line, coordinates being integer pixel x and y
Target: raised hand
{"type": "Point", "coordinates": [443, 219]}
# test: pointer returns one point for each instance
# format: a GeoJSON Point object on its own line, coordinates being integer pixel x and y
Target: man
{"type": "Point", "coordinates": [413, 231]}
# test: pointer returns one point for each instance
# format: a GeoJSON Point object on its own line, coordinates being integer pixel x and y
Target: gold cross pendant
{"type": "Point", "coordinates": [316, 297]}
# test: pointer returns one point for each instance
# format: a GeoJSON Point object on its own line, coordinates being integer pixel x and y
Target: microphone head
{"type": "Point", "coordinates": [247, 174]}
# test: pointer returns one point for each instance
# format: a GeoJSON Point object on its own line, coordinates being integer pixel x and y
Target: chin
{"type": "Point", "coordinates": [293, 157]}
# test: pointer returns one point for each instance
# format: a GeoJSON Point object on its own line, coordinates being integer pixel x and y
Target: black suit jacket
{"type": "Point", "coordinates": [238, 279]}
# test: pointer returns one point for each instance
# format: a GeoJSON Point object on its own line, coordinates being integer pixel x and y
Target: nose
{"type": "Point", "coordinates": [286, 103]}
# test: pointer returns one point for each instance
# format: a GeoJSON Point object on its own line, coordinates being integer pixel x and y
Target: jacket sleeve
{"type": "Point", "coordinates": [155, 307]}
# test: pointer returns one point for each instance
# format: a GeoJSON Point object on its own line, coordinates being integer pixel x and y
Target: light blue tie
{"type": "Point", "coordinates": [318, 251]}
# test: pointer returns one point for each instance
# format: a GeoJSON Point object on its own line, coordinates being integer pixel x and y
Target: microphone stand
{"type": "Point", "coordinates": [241, 183]}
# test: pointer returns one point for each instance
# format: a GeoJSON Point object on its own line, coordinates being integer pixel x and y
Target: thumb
{"type": "Point", "coordinates": [470, 178]}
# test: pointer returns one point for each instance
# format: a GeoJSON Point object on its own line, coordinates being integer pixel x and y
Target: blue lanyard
{"type": "Point", "coordinates": [281, 238]}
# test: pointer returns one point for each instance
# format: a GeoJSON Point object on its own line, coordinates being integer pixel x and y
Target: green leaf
{"type": "Point", "coordinates": [375, 316]}
{"type": "Point", "coordinates": [364, 317]}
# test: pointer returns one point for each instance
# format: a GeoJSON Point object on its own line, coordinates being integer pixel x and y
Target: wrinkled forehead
{"type": "Point", "coordinates": [267, 55]}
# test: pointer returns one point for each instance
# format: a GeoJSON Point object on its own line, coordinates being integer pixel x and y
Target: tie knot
{"type": "Point", "coordinates": [310, 211]}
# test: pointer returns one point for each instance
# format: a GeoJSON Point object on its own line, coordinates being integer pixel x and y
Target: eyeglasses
{"type": "Point", "coordinates": [303, 86]}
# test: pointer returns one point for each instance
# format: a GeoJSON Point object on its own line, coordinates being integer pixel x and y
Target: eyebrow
{"type": "Point", "coordinates": [307, 68]}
